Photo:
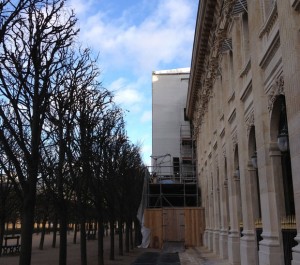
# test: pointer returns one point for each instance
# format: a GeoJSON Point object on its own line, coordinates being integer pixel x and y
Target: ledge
{"type": "Point", "coordinates": [269, 23]}
{"type": "Point", "coordinates": [232, 116]}
{"type": "Point", "coordinates": [245, 91]}
{"type": "Point", "coordinates": [246, 68]}
{"type": "Point", "coordinates": [270, 51]}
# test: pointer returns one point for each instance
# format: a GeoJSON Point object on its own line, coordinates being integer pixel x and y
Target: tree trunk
{"type": "Point", "coordinates": [43, 233]}
{"type": "Point", "coordinates": [63, 236]}
{"type": "Point", "coordinates": [127, 237]}
{"type": "Point", "coordinates": [137, 233]}
{"type": "Point", "coordinates": [27, 227]}
{"type": "Point", "coordinates": [120, 232]}
{"type": "Point", "coordinates": [75, 234]}
{"type": "Point", "coordinates": [112, 240]}
{"type": "Point", "coordinates": [14, 227]}
{"type": "Point", "coordinates": [2, 228]}
{"type": "Point", "coordinates": [100, 242]}
{"type": "Point", "coordinates": [54, 232]}
{"type": "Point", "coordinates": [131, 236]}
{"type": "Point", "coordinates": [37, 227]}
{"type": "Point", "coordinates": [83, 243]}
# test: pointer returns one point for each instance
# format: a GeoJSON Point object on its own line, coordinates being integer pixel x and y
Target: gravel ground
{"type": "Point", "coordinates": [49, 256]}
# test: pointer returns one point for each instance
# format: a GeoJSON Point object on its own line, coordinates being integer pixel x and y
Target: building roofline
{"type": "Point", "coordinates": [203, 25]}
{"type": "Point", "coordinates": [172, 71]}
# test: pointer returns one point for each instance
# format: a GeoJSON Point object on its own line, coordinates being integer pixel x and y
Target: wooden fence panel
{"type": "Point", "coordinates": [153, 220]}
{"type": "Point", "coordinates": [175, 224]}
{"type": "Point", "coordinates": [194, 226]}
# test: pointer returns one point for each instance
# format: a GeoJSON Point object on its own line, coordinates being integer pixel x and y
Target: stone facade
{"type": "Point", "coordinates": [243, 92]}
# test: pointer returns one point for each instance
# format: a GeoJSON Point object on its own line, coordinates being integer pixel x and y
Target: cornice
{"type": "Point", "coordinates": [202, 30]}
{"type": "Point", "coordinates": [270, 21]}
{"type": "Point", "coordinates": [203, 75]}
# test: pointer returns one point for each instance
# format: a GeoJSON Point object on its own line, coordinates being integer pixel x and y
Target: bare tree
{"type": "Point", "coordinates": [110, 122]}
{"type": "Point", "coordinates": [31, 55]}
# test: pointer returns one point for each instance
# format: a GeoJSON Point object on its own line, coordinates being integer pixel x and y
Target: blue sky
{"type": "Point", "coordinates": [134, 38]}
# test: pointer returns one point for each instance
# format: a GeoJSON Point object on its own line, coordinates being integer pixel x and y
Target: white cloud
{"type": "Point", "coordinates": [146, 151]}
{"type": "Point", "coordinates": [164, 35]}
{"type": "Point", "coordinates": [147, 36]}
{"type": "Point", "coordinates": [147, 116]}
{"type": "Point", "coordinates": [127, 93]}
{"type": "Point", "coordinates": [128, 96]}
{"type": "Point", "coordinates": [79, 6]}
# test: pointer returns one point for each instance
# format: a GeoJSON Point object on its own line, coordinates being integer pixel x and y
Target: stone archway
{"type": "Point", "coordinates": [278, 122]}
{"type": "Point", "coordinates": [283, 176]}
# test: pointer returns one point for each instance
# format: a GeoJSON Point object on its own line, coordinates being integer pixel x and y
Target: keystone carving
{"type": "Point", "coordinates": [277, 89]}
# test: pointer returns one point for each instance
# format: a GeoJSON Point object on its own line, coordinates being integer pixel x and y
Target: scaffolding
{"type": "Point", "coordinates": [173, 181]}
{"type": "Point", "coordinates": [187, 154]}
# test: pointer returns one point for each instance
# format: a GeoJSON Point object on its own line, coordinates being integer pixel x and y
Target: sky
{"type": "Point", "coordinates": [134, 38]}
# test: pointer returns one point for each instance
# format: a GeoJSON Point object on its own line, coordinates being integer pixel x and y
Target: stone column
{"type": "Point", "coordinates": [234, 232]}
{"type": "Point", "coordinates": [289, 35]}
{"type": "Point", "coordinates": [270, 250]}
{"type": "Point", "coordinates": [211, 206]}
{"type": "Point", "coordinates": [216, 208]}
{"type": "Point", "coordinates": [223, 210]}
{"type": "Point", "coordinates": [249, 252]}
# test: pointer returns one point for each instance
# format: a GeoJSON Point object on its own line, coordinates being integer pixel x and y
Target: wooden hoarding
{"type": "Point", "coordinates": [175, 224]}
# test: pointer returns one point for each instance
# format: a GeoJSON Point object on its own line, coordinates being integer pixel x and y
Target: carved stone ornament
{"type": "Point", "coordinates": [250, 122]}
{"type": "Point", "coordinates": [276, 90]}
{"type": "Point", "coordinates": [224, 151]}
{"type": "Point", "coordinates": [211, 61]}
{"type": "Point", "coordinates": [234, 139]}
{"type": "Point", "coordinates": [216, 161]}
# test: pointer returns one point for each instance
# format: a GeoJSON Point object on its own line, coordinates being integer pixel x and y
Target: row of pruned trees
{"type": "Point", "coordinates": [62, 138]}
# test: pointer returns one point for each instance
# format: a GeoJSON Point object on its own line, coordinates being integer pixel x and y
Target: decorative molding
{"type": "Point", "coordinates": [270, 21]}
{"type": "Point", "coordinates": [215, 145]}
{"type": "Point", "coordinates": [270, 52]}
{"type": "Point", "coordinates": [222, 133]}
{"type": "Point", "coordinates": [276, 89]}
{"type": "Point", "coordinates": [246, 91]}
{"type": "Point", "coordinates": [209, 155]}
{"type": "Point", "coordinates": [206, 65]}
{"type": "Point", "coordinates": [216, 160]}
{"type": "Point", "coordinates": [234, 138]}
{"type": "Point", "coordinates": [231, 97]}
{"type": "Point", "coordinates": [295, 4]}
{"type": "Point", "coordinates": [232, 116]}
{"type": "Point", "coordinates": [224, 150]}
{"type": "Point", "coordinates": [245, 70]}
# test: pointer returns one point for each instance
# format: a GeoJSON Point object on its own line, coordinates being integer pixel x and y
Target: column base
{"type": "Point", "coordinates": [249, 249]}
{"type": "Point", "coordinates": [216, 242]}
{"type": "Point", "coordinates": [234, 255]}
{"type": "Point", "coordinates": [270, 251]}
{"type": "Point", "coordinates": [205, 238]}
{"type": "Point", "coordinates": [211, 240]}
{"type": "Point", "coordinates": [223, 244]}
{"type": "Point", "coordinates": [296, 252]}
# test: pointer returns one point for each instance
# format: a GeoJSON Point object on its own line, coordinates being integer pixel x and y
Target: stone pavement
{"type": "Point", "coordinates": [174, 253]}
{"type": "Point", "coordinates": [200, 256]}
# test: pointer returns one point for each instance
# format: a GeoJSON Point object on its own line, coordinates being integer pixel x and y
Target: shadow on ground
{"type": "Point", "coordinates": [168, 255]}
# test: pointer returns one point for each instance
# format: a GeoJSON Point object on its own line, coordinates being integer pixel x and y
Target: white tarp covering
{"type": "Point", "coordinates": [146, 235]}
{"type": "Point", "coordinates": [140, 215]}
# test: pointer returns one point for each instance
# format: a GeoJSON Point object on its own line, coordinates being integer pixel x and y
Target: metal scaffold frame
{"type": "Point", "coordinates": [174, 183]}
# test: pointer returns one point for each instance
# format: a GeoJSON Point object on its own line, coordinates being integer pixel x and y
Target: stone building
{"type": "Point", "coordinates": [244, 103]}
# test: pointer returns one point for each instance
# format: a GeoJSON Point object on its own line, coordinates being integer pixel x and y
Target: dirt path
{"type": "Point", "coordinates": [49, 256]}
